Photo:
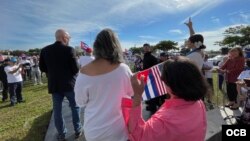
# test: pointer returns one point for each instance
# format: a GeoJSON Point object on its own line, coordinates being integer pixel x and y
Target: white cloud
{"type": "Point", "coordinates": [211, 36]}
{"type": "Point", "coordinates": [147, 37]}
{"type": "Point", "coordinates": [240, 16]}
{"type": "Point", "coordinates": [245, 17]}
{"type": "Point", "coordinates": [33, 23]}
{"type": "Point", "coordinates": [205, 6]}
{"type": "Point", "coordinates": [139, 43]}
{"type": "Point", "coordinates": [215, 20]}
{"type": "Point", "coordinates": [177, 31]}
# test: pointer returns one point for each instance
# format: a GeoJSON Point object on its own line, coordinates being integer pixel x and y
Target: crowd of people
{"type": "Point", "coordinates": [15, 70]}
{"type": "Point", "coordinates": [105, 87]}
{"type": "Point", "coordinates": [104, 80]}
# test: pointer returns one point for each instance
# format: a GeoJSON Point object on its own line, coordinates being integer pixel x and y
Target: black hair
{"type": "Point", "coordinates": [7, 59]}
{"type": "Point", "coordinates": [163, 54]}
{"type": "Point", "coordinates": [184, 79]}
{"type": "Point", "coordinates": [248, 63]}
{"type": "Point", "coordinates": [196, 38]}
{"type": "Point", "coordinates": [146, 45]}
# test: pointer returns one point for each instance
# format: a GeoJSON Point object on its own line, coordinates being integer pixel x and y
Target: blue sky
{"type": "Point", "coordinates": [26, 24]}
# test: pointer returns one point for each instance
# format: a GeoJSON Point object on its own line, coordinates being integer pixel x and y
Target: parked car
{"type": "Point", "coordinates": [216, 60]}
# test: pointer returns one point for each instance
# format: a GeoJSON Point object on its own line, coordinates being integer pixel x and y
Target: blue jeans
{"type": "Point", "coordinates": [15, 90]}
{"type": "Point", "coordinates": [57, 109]}
{"type": "Point", "coordinates": [221, 79]}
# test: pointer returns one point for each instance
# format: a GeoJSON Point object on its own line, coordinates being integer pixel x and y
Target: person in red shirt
{"type": "Point", "coordinates": [232, 68]}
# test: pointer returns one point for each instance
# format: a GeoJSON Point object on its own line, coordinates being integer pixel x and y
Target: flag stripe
{"type": "Point", "coordinates": [150, 89]}
{"type": "Point", "coordinates": [157, 80]}
{"type": "Point", "coordinates": [153, 84]}
{"type": "Point", "coordinates": [147, 92]}
{"type": "Point", "coordinates": [161, 82]}
{"type": "Point", "coordinates": [144, 97]}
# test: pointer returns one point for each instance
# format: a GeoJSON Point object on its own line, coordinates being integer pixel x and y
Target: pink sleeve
{"type": "Point", "coordinates": [126, 106]}
{"type": "Point", "coordinates": [139, 130]}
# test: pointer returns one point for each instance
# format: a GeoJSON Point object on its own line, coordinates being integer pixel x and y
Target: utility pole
{"type": "Point", "coordinates": [90, 39]}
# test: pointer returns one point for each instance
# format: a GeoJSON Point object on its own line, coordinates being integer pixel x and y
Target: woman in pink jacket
{"type": "Point", "coordinates": [183, 116]}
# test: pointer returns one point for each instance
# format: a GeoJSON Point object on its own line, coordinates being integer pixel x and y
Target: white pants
{"type": "Point", "coordinates": [36, 75]}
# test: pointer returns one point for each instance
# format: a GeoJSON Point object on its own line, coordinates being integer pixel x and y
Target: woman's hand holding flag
{"type": "Point", "coordinates": [138, 88]}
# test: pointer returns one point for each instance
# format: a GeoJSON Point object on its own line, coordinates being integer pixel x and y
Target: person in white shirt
{"type": "Point", "coordinates": [195, 43]}
{"type": "Point", "coordinates": [36, 73]}
{"type": "Point", "coordinates": [84, 60]}
{"type": "Point", "coordinates": [15, 80]}
{"type": "Point", "coordinates": [222, 75]}
{"type": "Point", "coordinates": [26, 63]}
{"type": "Point", "coordinates": [100, 87]}
{"type": "Point", "coordinates": [207, 68]}
{"type": "Point", "coordinates": [241, 85]}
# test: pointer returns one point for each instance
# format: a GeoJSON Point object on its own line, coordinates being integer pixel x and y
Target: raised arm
{"type": "Point", "coordinates": [190, 27]}
{"type": "Point", "coordinates": [15, 70]}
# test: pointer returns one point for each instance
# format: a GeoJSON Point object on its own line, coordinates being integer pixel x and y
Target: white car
{"type": "Point", "coordinates": [216, 59]}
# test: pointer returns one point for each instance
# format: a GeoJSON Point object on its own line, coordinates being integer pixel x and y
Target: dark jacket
{"type": "Point", "coordinates": [149, 60]}
{"type": "Point", "coordinates": [3, 76]}
{"type": "Point", "coordinates": [59, 63]}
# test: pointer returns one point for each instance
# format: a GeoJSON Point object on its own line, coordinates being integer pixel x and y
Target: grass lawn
{"type": "Point", "coordinates": [217, 96]}
{"type": "Point", "coordinates": [26, 121]}
{"type": "Point", "coordinates": [29, 121]}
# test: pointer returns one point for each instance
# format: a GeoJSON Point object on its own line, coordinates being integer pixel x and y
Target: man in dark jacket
{"type": "Point", "coordinates": [148, 61]}
{"type": "Point", "coordinates": [59, 62]}
{"type": "Point", "coordinates": [3, 79]}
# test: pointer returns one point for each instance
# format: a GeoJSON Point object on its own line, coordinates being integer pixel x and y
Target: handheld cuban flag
{"type": "Point", "coordinates": [84, 46]}
{"type": "Point", "coordinates": [154, 86]}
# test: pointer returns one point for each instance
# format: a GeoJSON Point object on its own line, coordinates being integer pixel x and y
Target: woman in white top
{"type": "Point", "coordinates": [195, 43]}
{"type": "Point", "coordinates": [100, 87]}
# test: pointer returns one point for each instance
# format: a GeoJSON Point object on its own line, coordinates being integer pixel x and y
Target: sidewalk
{"type": "Point", "coordinates": [52, 133]}
{"type": "Point", "coordinates": [215, 118]}
{"type": "Point", "coordinates": [70, 136]}
{"type": "Point", "coordinates": [218, 117]}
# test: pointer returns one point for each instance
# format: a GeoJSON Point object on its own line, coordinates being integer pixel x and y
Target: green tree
{"type": "Point", "coordinates": [166, 45]}
{"type": "Point", "coordinates": [136, 50]}
{"type": "Point", "coordinates": [238, 35]}
{"type": "Point", "coordinates": [17, 52]}
{"type": "Point", "coordinates": [4, 52]}
{"type": "Point", "coordinates": [184, 51]}
{"type": "Point", "coordinates": [35, 51]}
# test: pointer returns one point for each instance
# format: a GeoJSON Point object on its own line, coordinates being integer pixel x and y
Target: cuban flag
{"type": "Point", "coordinates": [84, 46]}
{"type": "Point", "coordinates": [154, 86]}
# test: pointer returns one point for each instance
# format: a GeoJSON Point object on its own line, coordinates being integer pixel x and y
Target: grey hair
{"type": "Point", "coordinates": [107, 46]}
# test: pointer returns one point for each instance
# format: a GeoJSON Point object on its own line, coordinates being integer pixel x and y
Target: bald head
{"type": "Point", "coordinates": [62, 36]}
{"type": "Point", "coordinates": [60, 33]}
